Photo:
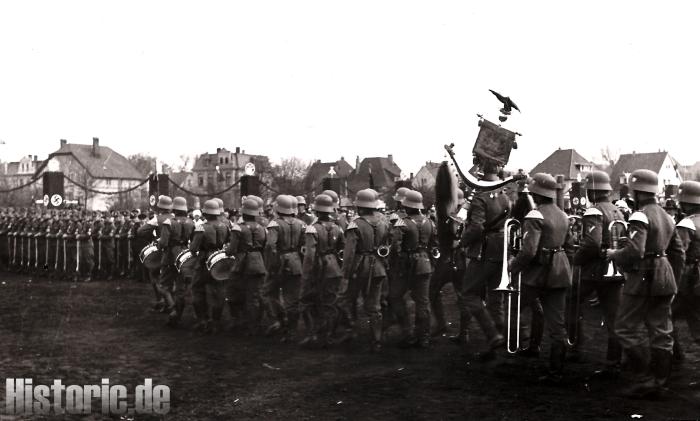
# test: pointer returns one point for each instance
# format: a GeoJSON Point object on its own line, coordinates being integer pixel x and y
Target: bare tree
{"type": "Point", "coordinates": [145, 164]}
{"type": "Point", "coordinates": [288, 176]}
{"type": "Point", "coordinates": [609, 155]}
{"type": "Point", "coordinates": [186, 162]}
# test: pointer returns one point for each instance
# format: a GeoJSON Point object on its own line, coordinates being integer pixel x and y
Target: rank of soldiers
{"type": "Point", "coordinates": [288, 269]}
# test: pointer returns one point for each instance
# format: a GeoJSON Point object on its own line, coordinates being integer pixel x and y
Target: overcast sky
{"type": "Point", "coordinates": [325, 79]}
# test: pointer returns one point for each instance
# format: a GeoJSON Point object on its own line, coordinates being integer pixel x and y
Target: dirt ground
{"type": "Point", "coordinates": [81, 333]}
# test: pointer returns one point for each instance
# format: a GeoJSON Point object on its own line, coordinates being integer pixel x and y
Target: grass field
{"type": "Point", "coordinates": [80, 333]}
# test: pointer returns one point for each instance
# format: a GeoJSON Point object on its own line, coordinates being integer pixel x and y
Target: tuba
{"type": "Point", "coordinates": [435, 253]}
{"type": "Point", "coordinates": [512, 238]}
{"type": "Point", "coordinates": [383, 250]}
{"type": "Point", "coordinates": [616, 230]}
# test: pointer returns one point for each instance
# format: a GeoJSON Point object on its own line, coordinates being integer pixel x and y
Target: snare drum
{"type": "Point", "coordinates": [151, 257]}
{"type": "Point", "coordinates": [220, 265]}
{"type": "Point", "coordinates": [185, 263]}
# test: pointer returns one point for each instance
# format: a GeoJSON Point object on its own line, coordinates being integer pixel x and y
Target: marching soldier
{"type": "Point", "coordinates": [413, 238]}
{"type": "Point", "coordinates": [282, 256]}
{"type": "Point", "coordinates": [367, 242]}
{"type": "Point", "coordinates": [321, 274]}
{"type": "Point", "coordinates": [169, 231]}
{"type": "Point", "coordinates": [247, 243]}
{"type": "Point", "coordinates": [450, 268]}
{"type": "Point", "coordinates": [687, 302]}
{"type": "Point", "coordinates": [177, 235]}
{"type": "Point", "coordinates": [593, 266]}
{"type": "Point", "coordinates": [337, 216]}
{"type": "Point", "coordinates": [303, 212]}
{"type": "Point", "coordinates": [207, 295]}
{"type": "Point", "coordinates": [644, 316]}
{"type": "Point", "coordinates": [544, 267]}
{"type": "Point", "coordinates": [483, 240]}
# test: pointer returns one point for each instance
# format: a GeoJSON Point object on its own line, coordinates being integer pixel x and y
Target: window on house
{"type": "Point", "coordinates": [210, 180]}
{"type": "Point", "coordinates": [201, 180]}
{"type": "Point", "coordinates": [221, 160]}
{"type": "Point", "coordinates": [227, 160]}
{"type": "Point", "coordinates": [228, 178]}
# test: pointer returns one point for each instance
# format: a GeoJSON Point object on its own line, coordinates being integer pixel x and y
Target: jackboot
{"type": "Point", "coordinates": [462, 338]}
{"type": "Point", "coordinates": [678, 354]}
{"type": "Point", "coordinates": [642, 385]}
{"type": "Point", "coordinates": [661, 362]}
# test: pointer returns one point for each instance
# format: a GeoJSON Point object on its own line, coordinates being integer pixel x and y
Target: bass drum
{"type": "Point", "coordinates": [185, 263]}
{"type": "Point", "coordinates": [220, 265]}
{"type": "Point", "coordinates": [151, 257]}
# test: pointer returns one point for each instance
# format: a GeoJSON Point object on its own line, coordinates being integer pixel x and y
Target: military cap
{"type": "Point", "coordinates": [413, 200]}
{"type": "Point", "coordinates": [644, 180]}
{"type": "Point", "coordinates": [180, 203]}
{"type": "Point", "coordinates": [366, 198]}
{"type": "Point", "coordinates": [689, 192]}
{"type": "Point", "coordinates": [598, 180]}
{"type": "Point", "coordinates": [250, 207]}
{"type": "Point", "coordinates": [544, 185]}
{"type": "Point", "coordinates": [219, 202]}
{"type": "Point", "coordinates": [301, 200]}
{"type": "Point", "coordinates": [400, 193]}
{"type": "Point", "coordinates": [211, 207]}
{"type": "Point", "coordinates": [165, 203]}
{"type": "Point", "coordinates": [285, 204]}
{"type": "Point", "coordinates": [323, 203]}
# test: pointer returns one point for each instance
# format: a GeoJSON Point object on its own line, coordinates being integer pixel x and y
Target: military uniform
{"type": "Point", "coordinates": [175, 235]}
{"type": "Point", "coordinates": [644, 316]}
{"type": "Point", "coordinates": [543, 265]}
{"type": "Point", "coordinates": [364, 270]}
{"type": "Point", "coordinates": [593, 266]}
{"type": "Point", "coordinates": [413, 237]}
{"type": "Point", "coordinates": [324, 240]}
{"type": "Point", "coordinates": [483, 241]}
{"type": "Point", "coordinates": [247, 243]}
{"type": "Point", "coordinates": [282, 256]}
{"type": "Point", "coordinates": [86, 250]}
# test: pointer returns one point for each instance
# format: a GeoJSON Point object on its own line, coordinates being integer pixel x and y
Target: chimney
{"type": "Point", "coordinates": [357, 163]}
{"type": "Point", "coordinates": [238, 149]}
{"type": "Point", "coordinates": [35, 158]}
{"type": "Point", "coordinates": [391, 159]}
{"type": "Point", "coordinates": [410, 176]}
{"type": "Point", "coordinates": [95, 146]}
{"type": "Point", "coordinates": [243, 151]}
{"type": "Point", "coordinates": [63, 142]}
{"type": "Point", "coordinates": [218, 150]}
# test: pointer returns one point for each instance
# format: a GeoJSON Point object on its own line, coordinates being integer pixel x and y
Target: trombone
{"type": "Point", "coordinates": [576, 230]}
{"type": "Point", "coordinates": [617, 230]}
{"type": "Point", "coordinates": [512, 238]}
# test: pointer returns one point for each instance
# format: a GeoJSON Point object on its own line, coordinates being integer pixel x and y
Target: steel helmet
{"type": "Point", "coordinates": [180, 204]}
{"type": "Point", "coordinates": [211, 207]}
{"type": "Point", "coordinates": [323, 203]}
{"type": "Point", "coordinates": [413, 200]}
{"type": "Point", "coordinates": [165, 202]}
{"type": "Point", "coordinates": [645, 181]}
{"type": "Point", "coordinates": [689, 192]}
{"type": "Point", "coordinates": [544, 185]}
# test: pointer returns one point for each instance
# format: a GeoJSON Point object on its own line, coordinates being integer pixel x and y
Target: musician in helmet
{"type": "Point", "coordinates": [686, 305]}
{"type": "Point", "coordinates": [303, 211]}
{"type": "Point", "coordinates": [596, 237]}
{"type": "Point", "coordinates": [282, 256]}
{"type": "Point", "coordinates": [174, 238]}
{"type": "Point", "coordinates": [649, 259]}
{"type": "Point", "coordinates": [413, 238]}
{"type": "Point", "coordinates": [483, 240]}
{"type": "Point", "coordinates": [544, 267]}
{"type": "Point", "coordinates": [207, 295]}
{"type": "Point", "coordinates": [450, 268]}
{"type": "Point", "coordinates": [324, 241]}
{"type": "Point", "coordinates": [247, 242]}
{"type": "Point", "coordinates": [337, 216]}
{"type": "Point", "coordinates": [367, 241]}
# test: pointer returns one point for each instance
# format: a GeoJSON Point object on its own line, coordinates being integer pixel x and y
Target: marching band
{"type": "Point", "coordinates": [297, 271]}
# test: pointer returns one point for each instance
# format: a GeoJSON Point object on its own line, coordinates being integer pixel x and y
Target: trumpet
{"type": "Point", "coordinates": [435, 253]}
{"type": "Point", "coordinates": [616, 229]}
{"type": "Point", "coordinates": [512, 241]}
{"type": "Point", "coordinates": [383, 250]}
{"type": "Point", "coordinates": [574, 302]}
